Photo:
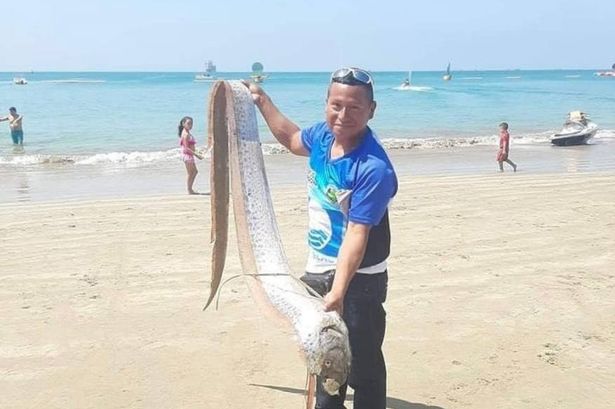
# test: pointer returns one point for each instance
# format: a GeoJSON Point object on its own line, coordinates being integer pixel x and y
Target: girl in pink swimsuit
{"type": "Point", "coordinates": [188, 152]}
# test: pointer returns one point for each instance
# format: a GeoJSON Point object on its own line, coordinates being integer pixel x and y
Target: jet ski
{"type": "Point", "coordinates": [405, 84]}
{"type": "Point", "coordinates": [577, 130]}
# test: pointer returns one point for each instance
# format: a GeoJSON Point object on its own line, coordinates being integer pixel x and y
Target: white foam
{"type": "Point", "coordinates": [74, 81]}
{"type": "Point", "coordinates": [130, 158]}
{"type": "Point", "coordinates": [111, 158]}
{"type": "Point", "coordinates": [37, 159]}
{"type": "Point", "coordinates": [138, 158]}
{"type": "Point", "coordinates": [605, 134]}
{"type": "Point", "coordinates": [273, 148]}
{"type": "Point", "coordinates": [535, 138]}
{"type": "Point", "coordinates": [417, 88]}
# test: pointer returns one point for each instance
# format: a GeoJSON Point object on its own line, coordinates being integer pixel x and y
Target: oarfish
{"type": "Point", "coordinates": [235, 145]}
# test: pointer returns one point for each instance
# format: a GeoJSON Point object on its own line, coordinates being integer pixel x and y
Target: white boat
{"type": "Point", "coordinates": [448, 76]}
{"type": "Point", "coordinates": [209, 74]}
{"type": "Point", "coordinates": [258, 78]}
{"type": "Point", "coordinates": [257, 73]}
{"type": "Point", "coordinates": [20, 81]}
{"type": "Point", "coordinates": [577, 130]}
{"type": "Point", "coordinates": [610, 73]}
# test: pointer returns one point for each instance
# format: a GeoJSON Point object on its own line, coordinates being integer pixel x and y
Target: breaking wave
{"type": "Point", "coordinates": [111, 158]}
{"type": "Point", "coordinates": [139, 158]}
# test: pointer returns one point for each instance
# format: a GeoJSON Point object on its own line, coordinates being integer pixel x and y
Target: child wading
{"type": "Point", "coordinates": [504, 148]}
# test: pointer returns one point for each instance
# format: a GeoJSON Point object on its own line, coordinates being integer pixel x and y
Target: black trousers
{"type": "Point", "coordinates": [365, 318]}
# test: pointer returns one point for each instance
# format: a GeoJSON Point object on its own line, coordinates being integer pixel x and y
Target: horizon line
{"type": "Point", "coordinates": [295, 71]}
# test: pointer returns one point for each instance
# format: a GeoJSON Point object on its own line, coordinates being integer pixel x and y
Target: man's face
{"type": "Point", "coordinates": [348, 110]}
{"type": "Point", "coordinates": [12, 111]}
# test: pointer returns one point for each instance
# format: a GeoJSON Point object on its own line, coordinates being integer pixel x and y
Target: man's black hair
{"type": "Point", "coordinates": [349, 79]}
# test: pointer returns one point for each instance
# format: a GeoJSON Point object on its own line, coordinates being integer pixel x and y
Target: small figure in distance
{"type": "Point", "coordinates": [504, 148]}
{"type": "Point", "coordinates": [188, 151]}
{"type": "Point", "coordinates": [15, 126]}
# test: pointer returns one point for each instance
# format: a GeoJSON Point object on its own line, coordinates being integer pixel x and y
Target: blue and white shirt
{"type": "Point", "coordinates": [356, 187]}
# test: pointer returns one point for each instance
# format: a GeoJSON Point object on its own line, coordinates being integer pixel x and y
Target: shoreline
{"type": "Point", "coordinates": [51, 182]}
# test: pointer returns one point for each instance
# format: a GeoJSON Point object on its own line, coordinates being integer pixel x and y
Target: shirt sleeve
{"type": "Point", "coordinates": [308, 136]}
{"type": "Point", "coordinates": [371, 195]}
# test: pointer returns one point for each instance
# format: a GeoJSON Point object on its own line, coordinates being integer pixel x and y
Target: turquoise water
{"type": "Point", "coordinates": [133, 116]}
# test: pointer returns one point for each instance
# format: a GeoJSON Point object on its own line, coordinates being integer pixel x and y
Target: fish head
{"type": "Point", "coordinates": [333, 358]}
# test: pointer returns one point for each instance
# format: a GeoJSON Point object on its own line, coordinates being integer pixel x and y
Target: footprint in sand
{"type": "Point", "coordinates": [550, 353]}
{"type": "Point", "coordinates": [91, 280]}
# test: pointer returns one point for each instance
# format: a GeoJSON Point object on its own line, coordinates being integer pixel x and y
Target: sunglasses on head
{"type": "Point", "coordinates": [352, 74]}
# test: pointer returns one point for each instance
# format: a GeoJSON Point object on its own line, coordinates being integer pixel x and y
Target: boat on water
{"type": "Point", "coordinates": [609, 73]}
{"type": "Point", "coordinates": [258, 78]}
{"type": "Point", "coordinates": [208, 75]}
{"type": "Point", "coordinates": [257, 73]}
{"type": "Point", "coordinates": [406, 83]}
{"type": "Point", "coordinates": [20, 81]}
{"type": "Point", "coordinates": [447, 75]}
{"type": "Point", "coordinates": [577, 130]}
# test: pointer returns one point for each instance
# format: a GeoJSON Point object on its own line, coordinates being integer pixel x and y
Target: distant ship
{"type": "Point", "coordinates": [448, 76]}
{"type": "Point", "coordinates": [208, 75]}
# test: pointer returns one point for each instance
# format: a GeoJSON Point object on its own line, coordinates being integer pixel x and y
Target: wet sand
{"type": "Point", "coordinates": [67, 181]}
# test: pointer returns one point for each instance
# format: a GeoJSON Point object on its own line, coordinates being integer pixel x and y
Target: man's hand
{"type": "Point", "coordinates": [258, 95]}
{"type": "Point", "coordinates": [334, 302]}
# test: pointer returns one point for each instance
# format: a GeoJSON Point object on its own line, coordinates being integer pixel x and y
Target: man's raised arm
{"type": "Point", "coordinates": [284, 130]}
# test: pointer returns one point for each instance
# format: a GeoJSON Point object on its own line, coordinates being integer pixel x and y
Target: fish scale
{"type": "Point", "coordinates": [322, 336]}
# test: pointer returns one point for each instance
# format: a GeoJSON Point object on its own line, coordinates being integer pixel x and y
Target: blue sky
{"type": "Point", "coordinates": [302, 35]}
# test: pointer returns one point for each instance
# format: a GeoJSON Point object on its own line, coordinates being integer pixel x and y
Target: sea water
{"type": "Point", "coordinates": [78, 120]}
{"type": "Point", "coordinates": [93, 116]}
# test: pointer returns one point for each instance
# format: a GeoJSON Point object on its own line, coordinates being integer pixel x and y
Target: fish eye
{"type": "Point", "coordinates": [327, 363]}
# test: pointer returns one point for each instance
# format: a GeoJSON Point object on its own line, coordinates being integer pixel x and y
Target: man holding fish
{"type": "Point", "coordinates": [351, 182]}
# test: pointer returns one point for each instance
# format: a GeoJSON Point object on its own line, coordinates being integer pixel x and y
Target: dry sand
{"type": "Point", "coordinates": [502, 295]}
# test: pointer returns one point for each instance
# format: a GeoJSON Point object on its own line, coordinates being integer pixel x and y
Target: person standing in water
{"type": "Point", "coordinates": [504, 148]}
{"type": "Point", "coordinates": [188, 152]}
{"type": "Point", "coordinates": [15, 126]}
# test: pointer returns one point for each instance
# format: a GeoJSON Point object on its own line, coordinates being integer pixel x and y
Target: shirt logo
{"type": "Point", "coordinates": [335, 195]}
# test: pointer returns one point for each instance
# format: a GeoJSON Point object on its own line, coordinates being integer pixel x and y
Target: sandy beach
{"type": "Point", "coordinates": [502, 295]}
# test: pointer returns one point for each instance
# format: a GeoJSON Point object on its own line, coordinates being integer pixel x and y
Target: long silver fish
{"type": "Point", "coordinates": [233, 136]}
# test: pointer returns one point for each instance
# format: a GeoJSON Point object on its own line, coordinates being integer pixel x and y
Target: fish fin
{"type": "Point", "coordinates": [310, 391]}
{"type": "Point", "coordinates": [218, 142]}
